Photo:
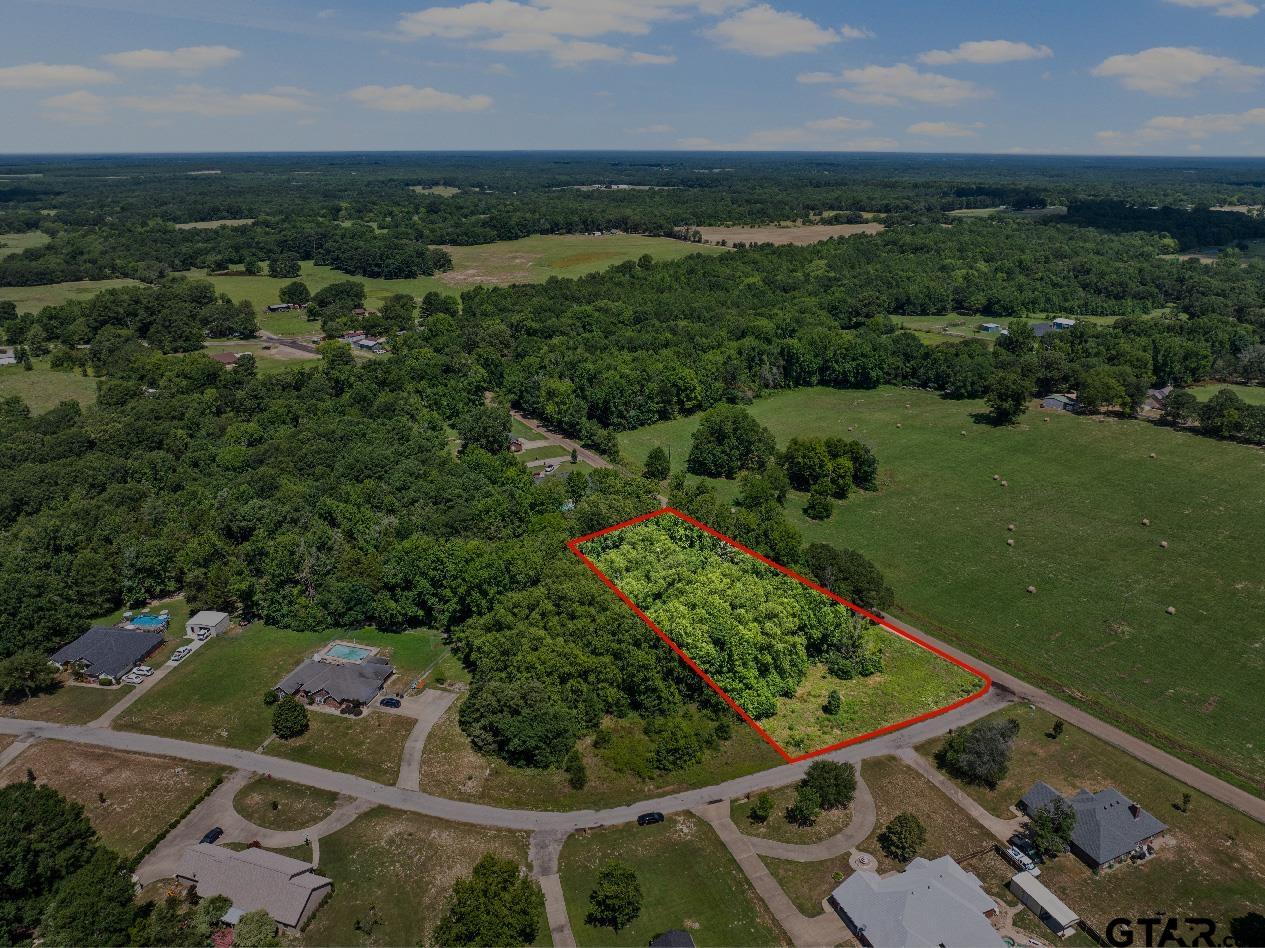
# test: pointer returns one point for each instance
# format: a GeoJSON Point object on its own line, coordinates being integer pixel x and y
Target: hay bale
{"type": "Point", "coordinates": [996, 477]}
{"type": "Point", "coordinates": [1009, 542]}
{"type": "Point", "coordinates": [1163, 544]}
{"type": "Point", "coordinates": [962, 432]}
{"type": "Point", "coordinates": [1010, 527]}
{"type": "Point", "coordinates": [898, 424]}
{"type": "Point", "coordinates": [1146, 521]}
{"type": "Point", "coordinates": [1005, 483]}
{"type": "Point", "coordinates": [1152, 454]}
{"type": "Point", "coordinates": [1171, 610]}
{"type": "Point", "coordinates": [1032, 589]}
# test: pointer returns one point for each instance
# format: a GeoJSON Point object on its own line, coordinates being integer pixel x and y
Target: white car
{"type": "Point", "coordinates": [143, 670]}
{"type": "Point", "coordinates": [203, 635]}
{"type": "Point", "coordinates": [180, 653]}
{"type": "Point", "coordinates": [131, 679]}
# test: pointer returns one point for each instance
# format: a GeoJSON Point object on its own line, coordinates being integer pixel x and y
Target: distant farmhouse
{"type": "Point", "coordinates": [337, 685]}
{"type": "Point", "coordinates": [932, 903]}
{"type": "Point", "coordinates": [287, 889]}
{"type": "Point", "coordinates": [107, 651]}
{"type": "Point", "coordinates": [8, 355]}
{"type": "Point", "coordinates": [1061, 402]}
{"type": "Point", "coordinates": [1054, 325]}
{"type": "Point", "coordinates": [1109, 828]}
{"type": "Point", "coordinates": [1155, 397]}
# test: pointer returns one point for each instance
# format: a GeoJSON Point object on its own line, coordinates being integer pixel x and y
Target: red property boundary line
{"type": "Point", "coordinates": [574, 546]}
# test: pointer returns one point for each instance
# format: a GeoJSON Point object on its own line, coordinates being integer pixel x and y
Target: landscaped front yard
{"type": "Point", "coordinates": [778, 827]}
{"type": "Point", "coordinates": [688, 881]}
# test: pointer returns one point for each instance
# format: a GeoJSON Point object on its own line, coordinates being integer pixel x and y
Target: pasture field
{"type": "Point", "coordinates": [212, 225]}
{"type": "Point", "coordinates": [43, 388]}
{"type": "Point", "coordinates": [440, 190]}
{"type": "Point", "coordinates": [688, 881]}
{"type": "Point", "coordinates": [393, 873]}
{"type": "Point", "coordinates": [1211, 861]}
{"type": "Point", "coordinates": [1252, 394]}
{"type": "Point", "coordinates": [536, 259]}
{"type": "Point", "coordinates": [31, 299]}
{"type": "Point", "coordinates": [16, 243]}
{"type": "Point", "coordinates": [1096, 631]}
{"type": "Point", "coordinates": [617, 773]}
{"type": "Point", "coordinates": [263, 290]}
{"type": "Point", "coordinates": [788, 233]}
{"type": "Point", "coordinates": [129, 798]}
{"type": "Point", "coordinates": [296, 806]}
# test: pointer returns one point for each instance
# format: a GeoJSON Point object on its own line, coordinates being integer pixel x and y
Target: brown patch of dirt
{"type": "Point", "coordinates": [799, 235]}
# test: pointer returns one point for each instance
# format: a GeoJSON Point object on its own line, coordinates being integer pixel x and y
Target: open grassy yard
{"type": "Point", "coordinates": [69, 704]}
{"type": "Point", "coordinates": [536, 259]}
{"type": "Point", "coordinates": [520, 430]}
{"type": "Point", "coordinates": [688, 881]}
{"type": "Point", "coordinates": [452, 768]}
{"type": "Point", "coordinates": [898, 788]}
{"type": "Point", "coordinates": [43, 388]}
{"type": "Point", "coordinates": [1252, 394]}
{"type": "Point", "coordinates": [393, 873]}
{"type": "Point", "coordinates": [913, 681]}
{"type": "Point", "coordinates": [263, 290]}
{"type": "Point", "coordinates": [369, 746]}
{"type": "Point", "coordinates": [1210, 863]}
{"type": "Point", "coordinates": [1096, 631]}
{"type": "Point", "coordinates": [296, 806]}
{"type": "Point", "coordinates": [129, 798]}
{"type": "Point", "coordinates": [778, 827]}
{"type": "Point", "coordinates": [16, 243]}
{"type": "Point", "coordinates": [31, 299]}
{"type": "Point", "coordinates": [269, 357]}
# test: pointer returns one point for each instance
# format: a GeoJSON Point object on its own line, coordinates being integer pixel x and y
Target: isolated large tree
{"type": "Point", "coordinates": [616, 896]}
{"type": "Point", "coordinates": [497, 904]}
{"type": "Point", "coordinates": [729, 440]}
{"type": "Point", "coordinates": [980, 753]}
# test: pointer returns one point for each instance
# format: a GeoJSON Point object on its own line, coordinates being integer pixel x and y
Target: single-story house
{"type": "Point", "coordinates": [370, 344]}
{"type": "Point", "coordinates": [337, 685]}
{"type": "Point", "coordinates": [516, 445]}
{"type": "Point", "coordinates": [8, 355]}
{"type": "Point", "coordinates": [287, 889]}
{"type": "Point", "coordinates": [673, 938]}
{"type": "Point", "coordinates": [932, 903]}
{"type": "Point", "coordinates": [1054, 325]}
{"type": "Point", "coordinates": [1155, 397]}
{"type": "Point", "coordinates": [226, 359]}
{"type": "Point", "coordinates": [990, 327]}
{"type": "Point", "coordinates": [107, 650]}
{"type": "Point", "coordinates": [213, 623]}
{"type": "Point", "coordinates": [1044, 904]}
{"type": "Point", "coordinates": [1062, 322]}
{"type": "Point", "coordinates": [1062, 402]}
{"type": "Point", "coordinates": [1108, 826]}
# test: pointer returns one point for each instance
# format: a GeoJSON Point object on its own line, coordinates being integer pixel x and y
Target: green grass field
{"type": "Point", "coordinates": [369, 746]}
{"type": "Point", "coordinates": [393, 873]}
{"type": "Point", "coordinates": [279, 805]}
{"type": "Point", "coordinates": [1211, 862]}
{"type": "Point", "coordinates": [16, 243]}
{"type": "Point", "coordinates": [264, 290]}
{"type": "Point", "coordinates": [1096, 631]}
{"type": "Point", "coordinates": [1252, 394]}
{"type": "Point", "coordinates": [31, 299]}
{"type": "Point", "coordinates": [69, 704]}
{"type": "Point", "coordinates": [688, 881]}
{"type": "Point", "coordinates": [777, 826]}
{"type": "Point", "coordinates": [43, 388]}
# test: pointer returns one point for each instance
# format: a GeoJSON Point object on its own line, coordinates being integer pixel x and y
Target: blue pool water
{"type": "Point", "coordinates": [149, 622]}
{"type": "Point", "coordinates": [348, 653]}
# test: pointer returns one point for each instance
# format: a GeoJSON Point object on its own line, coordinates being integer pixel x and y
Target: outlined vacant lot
{"type": "Point", "coordinates": [680, 577]}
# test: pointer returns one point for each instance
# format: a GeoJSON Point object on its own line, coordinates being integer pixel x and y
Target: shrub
{"type": "Point", "coordinates": [903, 837]}
{"type": "Point", "coordinates": [806, 808]}
{"type": "Point", "coordinates": [289, 718]}
{"type": "Point", "coordinates": [834, 703]}
{"type": "Point", "coordinates": [270, 698]}
{"type": "Point", "coordinates": [834, 783]}
{"type": "Point", "coordinates": [981, 753]}
{"type": "Point", "coordinates": [762, 809]}
{"type": "Point", "coordinates": [577, 773]}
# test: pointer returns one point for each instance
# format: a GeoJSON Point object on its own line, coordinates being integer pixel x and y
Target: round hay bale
{"type": "Point", "coordinates": [898, 424]}
{"type": "Point", "coordinates": [1009, 542]}
{"type": "Point", "coordinates": [1152, 454]}
{"type": "Point", "coordinates": [1171, 610]}
{"type": "Point", "coordinates": [996, 477]}
{"type": "Point", "coordinates": [962, 432]}
{"type": "Point", "coordinates": [1005, 483]}
{"type": "Point", "coordinates": [1032, 589]}
{"type": "Point", "coordinates": [1163, 544]}
{"type": "Point", "coordinates": [1010, 527]}
{"type": "Point", "coordinates": [1146, 521]}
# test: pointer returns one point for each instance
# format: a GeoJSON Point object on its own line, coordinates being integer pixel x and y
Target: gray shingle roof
{"type": "Point", "coordinates": [1106, 825]}
{"type": "Point", "coordinates": [107, 650]}
{"type": "Point", "coordinates": [344, 682]}
{"type": "Point", "coordinates": [254, 879]}
{"type": "Point", "coordinates": [931, 903]}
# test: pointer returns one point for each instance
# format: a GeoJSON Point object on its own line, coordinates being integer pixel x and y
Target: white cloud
{"type": "Point", "coordinates": [816, 135]}
{"type": "Point", "coordinates": [1164, 128]}
{"type": "Point", "coordinates": [1173, 70]}
{"type": "Point", "coordinates": [1231, 8]}
{"type": "Point", "coordinates": [814, 78]}
{"type": "Point", "coordinates": [944, 129]}
{"type": "Point", "coordinates": [764, 31]}
{"type": "Point", "coordinates": [406, 98]}
{"type": "Point", "coordinates": [855, 32]}
{"type": "Point", "coordinates": [556, 27]}
{"type": "Point", "coordinates": [48, 76]}
{"type": "Point", "coordinates": [325, 14]}
{"type": "Point", "coordinates": [656, 129]}
{"type": "Point", "coordinates": [874, 144]}
{"type": "Point", "coordinates": [840, 123]}
{"type": "Point", "coordinates": [897, 85]}
{"type": "Point", "coordinates": [80, 107]}
{"type": "Point", "coordinates": [214, 103]}
{"type": "Point", "coordinates": [985, 52]}
{"type": "Point", "coordinates": [184, 59]}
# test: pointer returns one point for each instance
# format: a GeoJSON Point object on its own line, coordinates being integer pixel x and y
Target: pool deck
{"type": "Point", "coordinates": [326, 653]}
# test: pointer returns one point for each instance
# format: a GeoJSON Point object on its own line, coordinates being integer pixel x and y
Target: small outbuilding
{"type": "Point", "coordinates": [8, 355]}
{"type": "Point", "coordinates": [212, 623]}
{"type": "Point", "coordinates": [991, 327]}
{"type": "Point", "coordinates": [1155, 397]}
{"type": "Point", "coordinates": [1061, 402]}
{"type": "Point", "coordinates": [107, 651]}
{"type": "Point", "coordinates": [1044, 904]}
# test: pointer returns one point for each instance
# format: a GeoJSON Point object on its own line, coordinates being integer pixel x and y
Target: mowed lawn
{"type": "Point", "coordinates": [1210, 863]}
{"type": "Point", "coordinates": [1252, 394]}
{"type": "Point", "coordinates": [280, 805]}
{"type": "Point", "coordinates": [1096, 630]}
{"type": "Point", "coordinates": [688, 881]}
{"type": "Point", "coordinates": [393, 873]}
{"type": "Point", "coordinates": [31, 299]}
{"type": "Point", "coordinates": [43, 388]}
{"type": "Point", "coordinates": [16, 243]}
{"type": "Point", "coordinates": [129, 798]}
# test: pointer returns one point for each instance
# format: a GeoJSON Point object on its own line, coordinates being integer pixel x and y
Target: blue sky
{"type": "Point", "coordinates": [1172, 77]}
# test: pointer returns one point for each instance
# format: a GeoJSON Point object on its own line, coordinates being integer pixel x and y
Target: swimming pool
{"type": "Point", "coordinates": [348, 653]}
{"type": "Point", "coordinates": [149, 622]}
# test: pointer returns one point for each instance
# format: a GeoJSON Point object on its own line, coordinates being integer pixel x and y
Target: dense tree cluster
{"type": "Point", "coordinates": [979, 753]}
{"type": "Point", "coordinates": [497, 904]}
{"type": "Point", "coordinates": [1186, 227]}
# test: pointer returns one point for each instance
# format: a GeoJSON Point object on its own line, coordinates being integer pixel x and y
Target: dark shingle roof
{"type": "Point", "coordinates": [348, 682]}
{"type": "Point", "coordinates": [1106, 825]}
{"type": "Point", "coordinates": [106, 650]}
{"type": "Point", "coordinates": [673, 938]}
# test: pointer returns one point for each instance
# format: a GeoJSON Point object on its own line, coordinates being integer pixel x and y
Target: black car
{"type": "Point", "coordinates": [649, 819]}
{"type": "Point", "coordinates": [390, 702]}
{"type": "Point", "coordinates": [212, 835]}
